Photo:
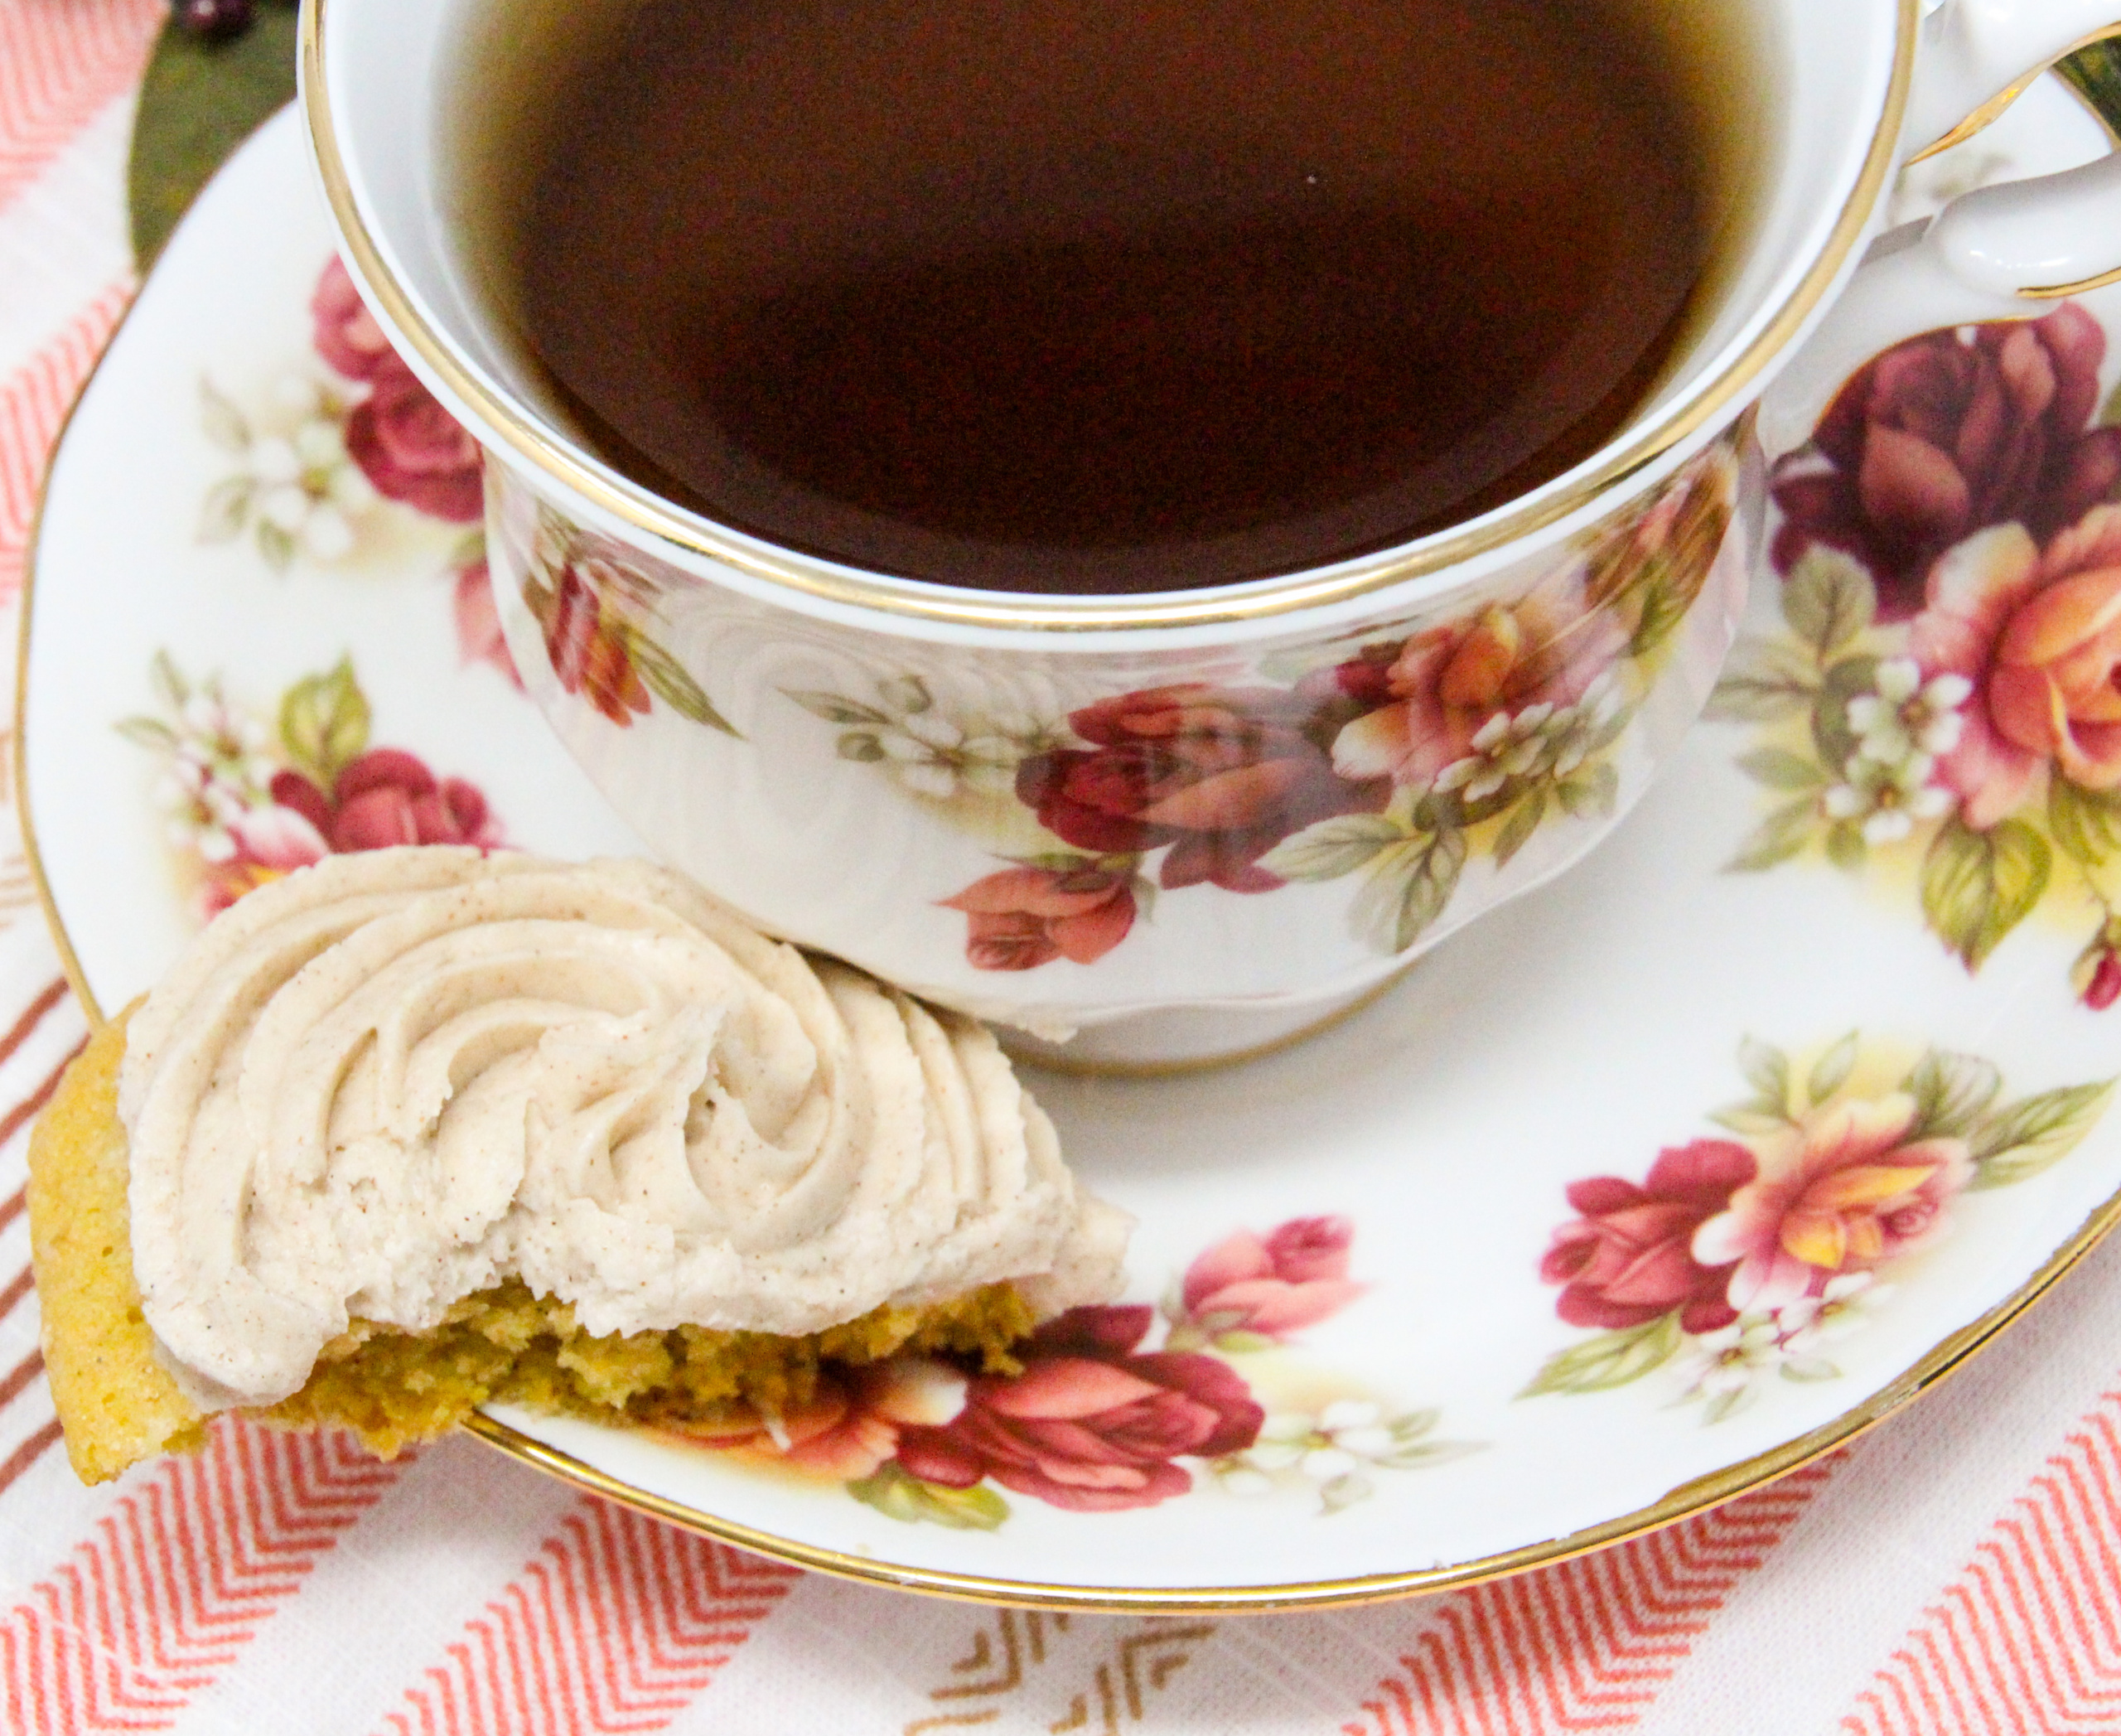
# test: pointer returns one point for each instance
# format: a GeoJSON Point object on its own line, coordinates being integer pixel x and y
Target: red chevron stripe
{"type": "Point", "coordinates": [32, 1016]}
{"type": "Point", "coordinates": [33, 403]}
{"type": "Point", "coordinates": [59, 64]}
{"type": "Point", "coordinates": [22, 1113]}
{"type": "Point", "coordinates": [618, 1623]}
{"type": "Point", "coordinates": [2029, 1637]}
{"type": "Point", "coordinates": [178, 1578]}
{"type": "Point", "coordinates": [28, 1454]}
{"type": "Point", "coordinates": [1587, 1645]}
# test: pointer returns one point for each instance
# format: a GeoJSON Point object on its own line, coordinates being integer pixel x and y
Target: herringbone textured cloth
{"type": "Point", "coordinates": [1958, 1572]}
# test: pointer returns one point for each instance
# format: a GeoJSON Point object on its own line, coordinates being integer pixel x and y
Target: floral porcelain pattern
{"type": "Point", "coordinates": [1394, 763]}
{"type": "Point", "coordinates": [343, 437]}
{"type": "Point", "coordinates": [1097, 1423]}
{"type": "Point", "coordinates": [1736, 1258]}
{"type": "Point", "coordinates": [246, 800]}
{"type": "Point", "coordinates": [1943, 702]}
{"type": "Point", "coordinates": [1532, 1091]}
{"type": "Point", "coordinates": [597, 611]}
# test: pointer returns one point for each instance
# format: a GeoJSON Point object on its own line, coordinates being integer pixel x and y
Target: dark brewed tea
{"type": "Point", "coordinates": [1101, 295]}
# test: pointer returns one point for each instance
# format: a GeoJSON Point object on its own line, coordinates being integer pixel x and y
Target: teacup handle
{"type": "Point", "coordinates": [2006, 252]}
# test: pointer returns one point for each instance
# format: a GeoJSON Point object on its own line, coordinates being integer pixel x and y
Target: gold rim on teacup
{"type": "Point", "coordinates": [646, 513]}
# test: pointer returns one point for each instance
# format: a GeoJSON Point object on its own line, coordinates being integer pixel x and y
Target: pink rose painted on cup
{"type": "Point", "coordinates": [387, 797]}
{"type": "Point", "coordinates": [1294, 1277]}
{"type": "Point", "coordinates": [1628, 1258]}
{"type": "Point", "coordinates": [1945, 435]}
{"type": "Point", "coordinates": [1447, 683]}
{"type": "Point", "coordinates": [2037, 634]}
{"type": "Point", "coordinates": [589, 653]}
{"type": "Point", "coordinates": [1090, 1425]}
{"type": "Point", "coordinates": [1845, 1190]}
{"type": "Point", "coordinates": [1024, 917]}
{"type": "Point", "coordinates": [1222, 775]}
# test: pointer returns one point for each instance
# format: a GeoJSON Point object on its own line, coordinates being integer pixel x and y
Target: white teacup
{"type": "Point", "coordinates": [1188, 823]}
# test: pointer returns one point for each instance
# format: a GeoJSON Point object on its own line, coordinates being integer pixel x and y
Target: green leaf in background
{"type": "Point", "coordinates": [1516, 831]}
{"type": "Point", "coordinates": [1762, 681]}
{"type": "Point", "coordinates": [199, 101]}
{"type": "Point", "coordinates": [1591, 793]}
{"type": "Point", "coordinates": [1977, 886]}
{"type": "Point", "coordinates": [666, 677]}
{"type": "Point", "coordinates": [2023, 1139]}
{"type": "Point", "coordinates": [1778, 837]}
{"type": "Point", "coordinates": [1331, 848]}
{"type": "Point", "coordinates": [1409, 885]}
{"type": "Point", "coordinates": [896, 1494]}
{"type": "Point", "coordinates": [1831, 734]}
{"type": "Point", "coordinates": [1828, 600]}
{"type": "Point", "coordinates": [1779, 769]}
{"type": "Point", "coordinates": [1831, 1071]}
{"type": "Point", "coordinates": [1611, 1358]}
{"type": "Point", "coordinates": [1767, 1070]}
{"type": "Point", "coordinates": [324, 724]}
{"type": "Point", "coordinates": [2085, 824]}
{"type": "Point", "coordinates": [1951, 1093]}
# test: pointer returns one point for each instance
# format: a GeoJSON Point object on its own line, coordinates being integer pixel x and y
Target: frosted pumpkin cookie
{"type": "Point", "coordinates": [413, 1129]}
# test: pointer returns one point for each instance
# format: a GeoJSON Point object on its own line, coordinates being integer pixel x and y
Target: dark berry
{"type": "Point", "coordinates": [214, 21]}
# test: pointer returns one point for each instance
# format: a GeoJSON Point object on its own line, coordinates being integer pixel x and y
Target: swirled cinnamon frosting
{"type": "Point", "coordinates": [394, 1079]}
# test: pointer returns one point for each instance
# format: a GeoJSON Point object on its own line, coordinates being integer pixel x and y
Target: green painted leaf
{"type": "Point", "coordinates": [226, 510]}
{"type": "Point", "coordinates": [2085, 824]}
{"type": "Point", "coordinates": [1951, 1093]}
{"type": "Point", "coordinates": [1831, 1071]}
{"type": "Point", "coordinates": [1332, 847]}
{"type": "Point", "coordinates": [1831, 734]}
{"type": "Point", "coordinates": [147, 732]}
{"type": "Point", "coordinates": [1767, 1069]}
{"type": "Point", "coordinates": [1845, 848]}
{"type": "Point", "coordinates": [1977, 886]}
{"type": "Point", "coordinates": [1663, 608]}
{"type": "Point", "coordinates": [198, 102]}
{"type": "Point", "coordinates": [167, 680]}
{"type": "Point", "coordinates": [1407, 888]}
{"type": "Point", "coordinates": [1517, 829]}
{"type": "Point", "coordinates": [324, 723]}
{"type": "Point", "coordinates": [1779, 769]}
{"type": "Point", "coordinates": [1610, 1359]}
{"type": "Point", "coordinates": [1763, 680]}
{"type": "Point", "coordinates": [1750, 1118]}
{"type": "Point", "coordinates": [1591, 795]}
{"type": "Point", "coordinates": [897, 1494]}
{"type": "Point", "coordinates": [224, 423]}
{"type": "Point", "coordinates": [1828, 599]}
{"type": "Point", "coordinates": [865, 749]}
{"type": "Point", "coordinates": [906, 694]}
{"type": "Point", "coordinates": [277, 545]}
{"type": "Point", "coordinates": [666, 677]}
{"type": "Point", "coordinates": [1784, 834]}
{"type": "Point", "coordinates": [1430, 1454]}
{"type": "Point", "coordinates": [834, 709]}
{"type": "Point", "coordinates": [2023, 1138]}
{"type": "Point", "coordinates": [1239, 1343]}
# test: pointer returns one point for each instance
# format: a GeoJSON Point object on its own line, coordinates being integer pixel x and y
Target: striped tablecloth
{"type": "Point", "coordinates": [1960, 1570]}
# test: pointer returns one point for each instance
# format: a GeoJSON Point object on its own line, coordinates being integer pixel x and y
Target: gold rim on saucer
{"type": "Point", "coordinates": [1943, 1359]}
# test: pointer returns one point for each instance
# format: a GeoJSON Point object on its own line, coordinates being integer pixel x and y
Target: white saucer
{"type": "Point", "coordinates": [1577, 1034]}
